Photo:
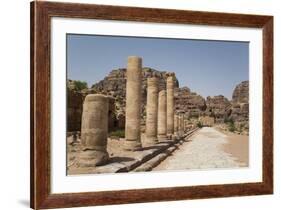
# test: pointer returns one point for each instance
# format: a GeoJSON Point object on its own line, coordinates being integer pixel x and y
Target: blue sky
{"type": "Point", "coordinates": [206, 67]}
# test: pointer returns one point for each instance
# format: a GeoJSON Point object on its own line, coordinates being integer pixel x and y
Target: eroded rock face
{"type": "Point", "coordinates": [74, 110]}
{"type": "Point", "coordinates": [241, 93]}
{"type": "Point", "coordinates": [189, 102]}
{"type": "Point", "coordinates": [218, 107]}
{"type": "Point", "coordinates": [75, 101]}
{"type": "Point", "coordinates": [240, 106]}
{"type": "Point", "coordinates": [114, 84]}
{"type": "Point", "coordinates": [240, 102]}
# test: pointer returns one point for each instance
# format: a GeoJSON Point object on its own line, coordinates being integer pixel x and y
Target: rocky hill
{"type": "Point", "coordinates": [240, 106]}
{"type": "Point", "coordinates": [191, 103]}
{"type": "Point", "coordinates": [219, 107]}
{"type": "Point", "coordinates": [241, 93]}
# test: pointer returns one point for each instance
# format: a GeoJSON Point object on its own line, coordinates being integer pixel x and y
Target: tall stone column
{"type": "Point", "coordinates": [170, 106]}
{"type": "Point", "coordinates": [151, 111]}
{"type": "Point", "coordinates": [162, 115]}
{"type": "Point", "coordinates": [133, 103]}
{"type": "Point", "coordinates": [179, 123]}
{"type": "Point", "coordinates": [176, 124]}
{"type": "Point", "coordinates": [185, 125]}
{"type": "Point", "coordinates": [180, 126]}
{"type": "Point", "coordinates": [182, 123]}
{"type": "Point", "coordinates": [94, 130]}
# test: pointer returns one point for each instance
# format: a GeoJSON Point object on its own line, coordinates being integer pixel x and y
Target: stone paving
{"type": "Point", "coordinates": [204, 151]}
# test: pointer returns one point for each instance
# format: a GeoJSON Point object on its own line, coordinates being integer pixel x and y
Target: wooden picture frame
{"type": "Point", "coordinates": [41, 14]}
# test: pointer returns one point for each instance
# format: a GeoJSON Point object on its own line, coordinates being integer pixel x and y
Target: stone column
{"type": "Point", "coordinates": [180, 124]}
{"type": "Point", "coordinates": [185, 125]}
{"type": "Point", "coordinates": [162, 115]}
{"type": "Point", "coordinates": [170, 106]}
{"type": "Point", "coordinates": [94, 130]}
{"type": "Point", "coordinates": [176, 124]}
{"type": "Point", "coordinates": [133, 103]}
{"type": "Point", "coordinates": [151, 111]}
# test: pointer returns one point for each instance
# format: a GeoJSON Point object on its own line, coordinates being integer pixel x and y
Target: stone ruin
{"type": "Point", "coordinates": [128, 99]}
{"type": "Point", "coordinates": [96, 114]}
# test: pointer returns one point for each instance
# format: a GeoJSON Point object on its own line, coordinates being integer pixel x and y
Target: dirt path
{"type": "Point", "coordinates": [208, 148]}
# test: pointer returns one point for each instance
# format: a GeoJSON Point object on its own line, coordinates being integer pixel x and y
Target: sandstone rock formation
{"type": "Point", "coordinates": [240, 106]}
{"type": "Point", "coordinates": [75, 101]}
{"type": "Point", "coordinates": [218, 107]}
{"type": "Point", "coordinates": [189, 102]}
{"type": "Point", "coordinates": [186, 101]}
{"type": "Point", "coordinates": [241, 93]}
{"type": "Point", "coordinates": [74, 109]}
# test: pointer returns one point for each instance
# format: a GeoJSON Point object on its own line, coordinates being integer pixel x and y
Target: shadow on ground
{"type": "Point", "coordinates": [120, 159]}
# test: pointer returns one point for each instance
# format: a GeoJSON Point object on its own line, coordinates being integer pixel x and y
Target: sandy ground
{"type": "Point", "coordinates": [238, 146]}
{"type": "Point", "coordinates": [207, 149]}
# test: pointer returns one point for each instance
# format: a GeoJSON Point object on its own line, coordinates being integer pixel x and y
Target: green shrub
{"type": "Point", "coordinates": [118, 133]}
{"type": "Point", "coordinates": [199, 125]}
{"type": "Point", "coordinates": [231, 126]}
{"type": "Point", "coordinates": [80, 85]}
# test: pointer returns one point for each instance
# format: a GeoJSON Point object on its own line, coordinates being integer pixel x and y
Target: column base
{"type": "Point", "coordinates": [150, 141]}
{"type": "Point", "coordinates": [92, 158]}
{"type": "Point", "coordinates": [162, 137]}
{"type": "Point", "coordinates": [132, 145]}
{"type": "Point", "coordinates": [175, 137]}
{"type": "Point", "coordinates": [169, 136]}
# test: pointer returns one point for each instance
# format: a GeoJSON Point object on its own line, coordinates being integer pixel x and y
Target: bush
{"type": "Point", "coordinates": [228, 120]}
{"type": "Point", "coordinates": [118, 133]}
{"type": "Point", "coordinates": [199, 125]}
{"type": "Point", "coordinates": [231, 126]}
{"type": "Point", "coordinates": [80, 85]}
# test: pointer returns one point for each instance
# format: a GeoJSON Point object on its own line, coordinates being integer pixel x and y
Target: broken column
{"type": "Point", "coordinates": [170, 105]}
{"type": "Point", "coordinates": [162, 116]}
{"type": "Point", "coordinates": [94, 130]}
{"type": "Point", "coordinates": [151, 111]}
{"type": "Point", "coordinates": [133, 103]}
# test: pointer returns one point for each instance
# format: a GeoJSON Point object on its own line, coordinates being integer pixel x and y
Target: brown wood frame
{"type": "Point", "coordinates": [41, 14]}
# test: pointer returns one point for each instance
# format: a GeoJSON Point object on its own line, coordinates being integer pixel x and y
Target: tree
{"type": "Point", "coordinates": [80, 85]}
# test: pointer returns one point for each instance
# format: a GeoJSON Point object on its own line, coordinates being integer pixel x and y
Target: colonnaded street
{"type": "Point", "coordinates": [156, 126]}
{"type": "Point", "coordinates": [209, 148]}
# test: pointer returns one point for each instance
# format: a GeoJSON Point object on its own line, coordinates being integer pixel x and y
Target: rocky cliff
{"type": "Point", "coordinates": [191, 103]}
{"type": "Point", "coordinates": [218, 107]}
{"type": "Point", "coordinates": [241, 93]}
{"type": "Point", "coordinates": [240, 106]}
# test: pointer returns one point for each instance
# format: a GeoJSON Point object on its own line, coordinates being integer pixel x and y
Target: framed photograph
{"type": "Point", "coordinates": [136, 105]}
